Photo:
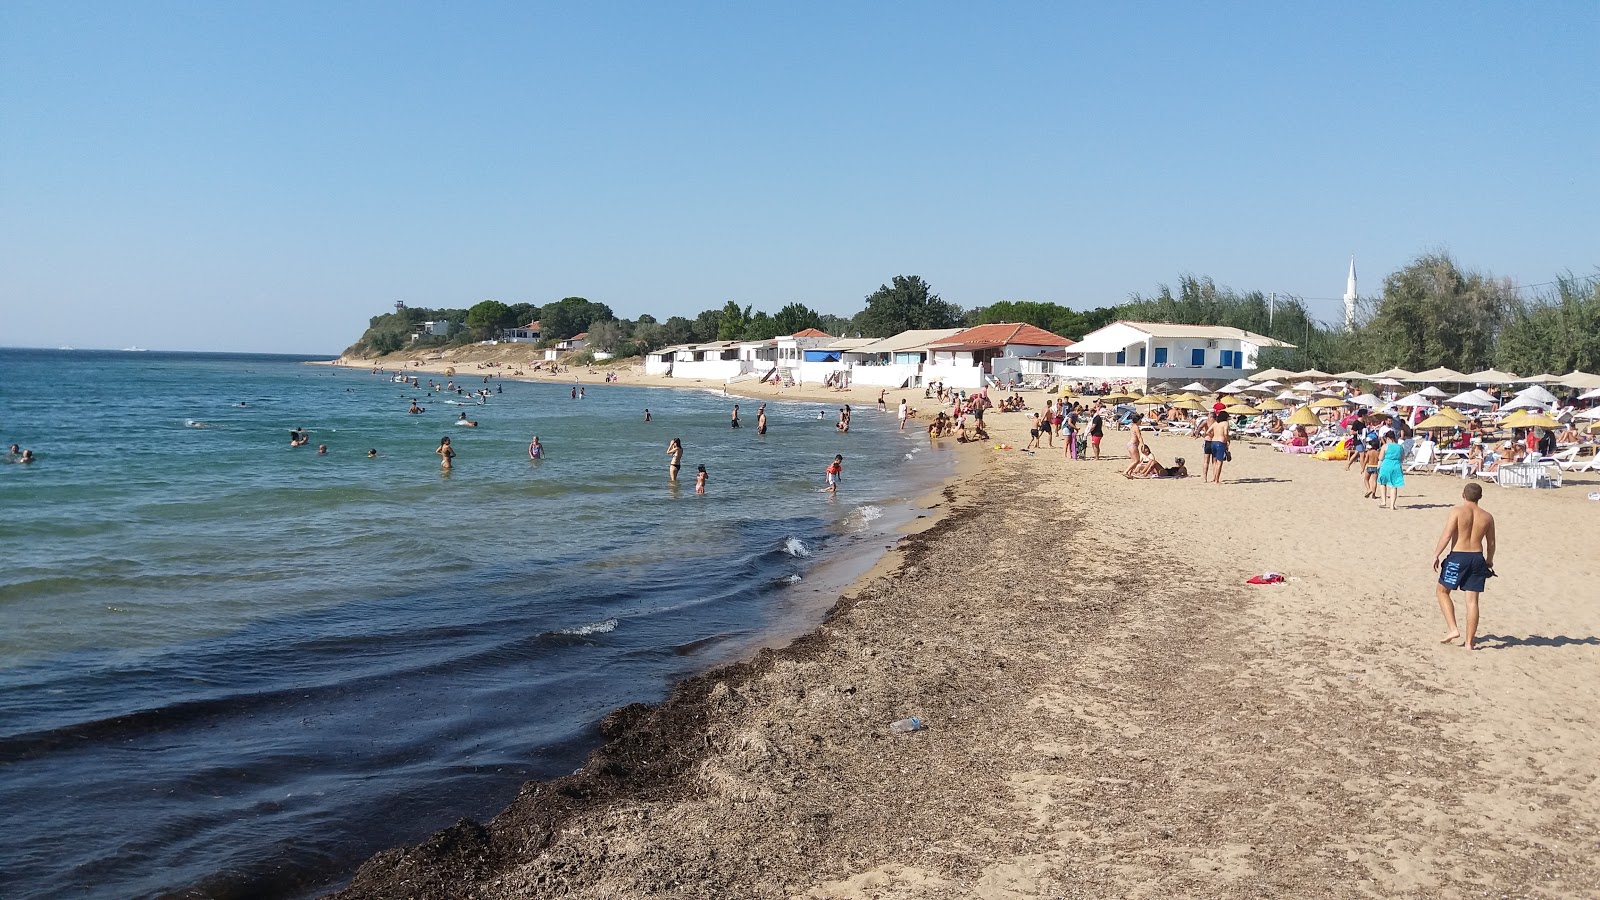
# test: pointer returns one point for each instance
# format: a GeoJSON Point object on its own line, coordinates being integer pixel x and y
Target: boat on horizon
{"type": "Point", "coordinates": [134, 350]}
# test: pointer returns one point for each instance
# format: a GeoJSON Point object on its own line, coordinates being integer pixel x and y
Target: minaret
{"type": "Point", "coordinates": [1350, 297]}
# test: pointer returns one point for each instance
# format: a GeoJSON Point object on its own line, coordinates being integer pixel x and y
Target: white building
{"type": "Point", "coordinates": [967, 359]}
{"type": "Point", "coordinates": [569, 345]}
{"type": "Point", "coordinates": [438, 328]}
{"type": "Point", "coordinates": [1144, 352]}
{"type": "Point", "coordinates": [527, 334]}
{"type": "Point", "coordinates": [714, 360]}
{"type": "Point", "coordinates": [896, 361]}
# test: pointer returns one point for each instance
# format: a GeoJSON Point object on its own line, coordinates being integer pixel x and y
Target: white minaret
{"type": "Point", "coordinates": [1350, 297]}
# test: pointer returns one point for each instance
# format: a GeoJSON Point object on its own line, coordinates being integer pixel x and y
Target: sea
{"type": "Point", "coordinates": [230, 667]}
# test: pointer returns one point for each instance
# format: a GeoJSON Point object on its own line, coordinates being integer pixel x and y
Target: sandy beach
{"type": "Point", "coordinates": [1112, 711]}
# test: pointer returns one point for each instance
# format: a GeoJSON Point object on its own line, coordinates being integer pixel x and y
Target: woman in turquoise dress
{"type": "Point", "coordinates": [1390, 476]}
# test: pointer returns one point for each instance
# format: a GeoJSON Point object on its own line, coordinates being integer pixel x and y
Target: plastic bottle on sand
{"type": "Point", "coordinates": [906, 726]}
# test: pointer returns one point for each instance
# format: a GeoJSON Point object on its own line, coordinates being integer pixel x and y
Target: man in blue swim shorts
{"type": "Point", "coordinates": [1469, 538]}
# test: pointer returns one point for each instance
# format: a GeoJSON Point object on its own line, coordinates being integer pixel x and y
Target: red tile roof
{"type": "Point", "coordinates": [579, 337]}
{"type": "Point", "coordinates": [811, 332]}
{"type": "Point", "coordinates": [1003, 334]}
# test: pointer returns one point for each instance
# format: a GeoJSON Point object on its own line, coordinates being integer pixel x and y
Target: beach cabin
{"type": "Point", "coordinates": [967, 358]}
{"type": "Point", "coordinates": [437, 328]}
{"type": "Point", "coordinates": [895, 361]}
{"type": "Point", "coordinates": [716, 360]}
{"type": "Point", "coordinates": [819, 365]}
{"type": "Point", "coordinates": [1143, 352]}
{"type": "Point", "coordinates": [570, 345]}
{"type": "Point", "coordinates": [791, 350]}
{"type": "Point", "coordinates": [527, 334]}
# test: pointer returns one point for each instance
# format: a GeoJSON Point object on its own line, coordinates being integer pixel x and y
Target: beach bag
{"type": "Point", "coordinates": [1083, 445]}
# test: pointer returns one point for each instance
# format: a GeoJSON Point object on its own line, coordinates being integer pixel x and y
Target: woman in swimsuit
{"type": "Point", "coordinates": [446, 453]}
{"type": "Point", "coordinates": [1135, 444]}
{"type": "Point", "coordinates": [536, 449]}
{"type": "Point", "coordinates": [675, 454]}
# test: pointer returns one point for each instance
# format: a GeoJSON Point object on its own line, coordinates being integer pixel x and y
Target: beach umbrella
{"type": "Point", "coordinates": [1471, 398]}
{"type": "Point", "coordinates": [1151, 400]}
{"type": "Point", "coordinates": [1387, 382]}
{"type": "Point", "coordinates": [1304, 416]}
{"type": "Point", "coordinates": [1582, 380]}
{"type": "Point", "coordinates": [1240, 383]}
{"type": "Point", "coordinates": [1593, 428]}
{"type": "Point", "coordinates": [1449, 413]}
{"type": "Point", "coordinates": [1269, 383]}
{"type": "Point", "coordinates": [1365, 400]}
{"type": "Point", "coordinates": [1270, 374]}
{"type": "Point", "coordinates": [1391, 373]}
{"type": "Point", "coordinates": [1433, 392]}
{"type": "Point", "coordinates": [1537, 393]}
{"type": "Point", "coordinates": [1195, 386]}
{"type": "Point", "coordinates": [1326, 403]}
{"type": "Point", "coordinates": [1190, 405]}
{"type": "Point", "coordinates": [1529, 420]}
{"type": "Point", "coordinates": [1413, 400]}
{"type": "Point", "coordinates": [1312, 373]}
{"type": "Point", "coordinates": [1489, 376]}
{"type": "Point", "coordinates": [1118, 398]}
{"type": "Point", "coordinates": [1164, 386]}
{"type": "Point", "coordinates": [1242, 409]}
{"type": "Point", "coordinates": [1271, 405]}
{"type": "Point", "coordinates": [1291, 397]}
{"type": "Point", "coordinates": [1523, 403]}
{"type": "Point", "coordinates": [1546, 378]}
{"type": "Point", "coordinates": [1305, 386]}
{"type": "Point", "coordinates": [1230, 390]}
{"type": "Point", "coordinates": [1439, 374]}
{"type": "Point", "coordinates": [1590, 395]}
{"type": "Point", "coordinates": [1349, 375]}
{"type": "Point", "coordinates": [1437, 421]}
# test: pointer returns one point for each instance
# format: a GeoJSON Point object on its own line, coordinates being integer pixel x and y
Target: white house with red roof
{"type": "Point", "coordinates": [527, 334]}
{"type": "Point", "coordinates": [968, 358]}
{"type": "Point", "coordinates": [569, 345]}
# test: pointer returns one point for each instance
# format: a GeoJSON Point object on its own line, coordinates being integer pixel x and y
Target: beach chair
{"type": "Point", "coordinates": [1421, 458]}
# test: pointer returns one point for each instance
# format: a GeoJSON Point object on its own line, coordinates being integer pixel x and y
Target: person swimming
{"type": "Point", "coordinates": [700, 480]}
{"type": "Point", "coordinates": [463, 421]}
{"type": "Point", "coordinates": [372, 453]}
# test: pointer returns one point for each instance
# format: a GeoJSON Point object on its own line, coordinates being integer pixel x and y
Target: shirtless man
{"type": "Point", "coordinates": [1469, 536]}
{"type": "Point", "coordinates": [761, 419]}
{"type": "Point", "coordinates": [1216, 446]}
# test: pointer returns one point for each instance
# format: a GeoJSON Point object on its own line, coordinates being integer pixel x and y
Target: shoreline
{"type": "Point", "coordinates": [1112, 712]}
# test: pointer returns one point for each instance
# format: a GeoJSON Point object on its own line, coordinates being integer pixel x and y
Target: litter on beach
{"type": "Point", "coordinates": [1267, 578]}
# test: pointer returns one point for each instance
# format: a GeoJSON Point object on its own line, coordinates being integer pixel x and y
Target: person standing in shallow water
{"type": "Point", "coordinates": [700, 480]}
{"type": "Point", "coordinates": [761, 419]}
{"type": "Point", "coordinates": [446, 453]}
{"type": "Point", "coordinates": [674, 458]}
{"type": "Point", "coordinates": [734, 421]}
{"type": "Point", "coordinates": [1468, 542]}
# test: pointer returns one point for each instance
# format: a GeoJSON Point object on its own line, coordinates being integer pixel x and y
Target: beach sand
{"type": "Point", "coordinates": [1112, 712]}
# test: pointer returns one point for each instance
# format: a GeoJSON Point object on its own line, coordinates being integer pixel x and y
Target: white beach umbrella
{"type": "Point", "coordinates": [1588, 414]}
{"type": "Point", "coordinates": [1269, 383]}
{"type": "Point", "coordinates": [1366, 400]}
{"type": "Point", "coordinates": [1546, 378]}
{"type": "Point", "coordinates": [1414, 400]}
{"type": "Point", "coordinates": [1268, 374]}
{"type": "Point", "coordinates": [1291, 397]}
{"type": "Point", "coordinates": [1488, 376]}
{"type": "Point", "coordinates": [1194, 386]}
{"type": "Point", "coordinates": [1432, 392]}
{"type": "Point", "coordinates": [1387, 382]}
{"type": "Point", "coordinates": [1439, 374]}
{"type": "Point", "coordinates": [1538, 393]}
{"type": "Point", "coordinates": [1581, 380]}
{"type": "Point", "coordinates": [1525, 403]}
{"type": "Point", "coordinates": [1470, 398]}
{"type": "Point", "coordinates": [1305, 386]}
{"type": "Point", "coordinates": [1262, 388]}
{"type": "Point", "coordinates": [1230, 389]}
{"type": "Point", "coordinates": [1590, 395]}
{"type": "Point", "coordinates": [1240, 383]}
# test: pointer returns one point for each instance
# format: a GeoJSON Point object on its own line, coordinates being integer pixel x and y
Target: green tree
{"type": "Point", "coordinates": [1556, 333]}
{"type": "Point", "coordinates": [762, 327]}
{"type": "Point", "coordinates": [706, 325]}
{"type": "Point", "coordinates": [605, 336]}
{"type": "Point", "coordinates": [571, 315]}
{"type": "Point", "coordinates": [487, 317]}
{"type": "Point", "coordinates": [1434, 314]}
{"type": "Point", "coordinates": [732, 322]}
{"type": "Point", "coordinates": [795, 317]}
{"type": "Point", "coordinates": [909, 303]}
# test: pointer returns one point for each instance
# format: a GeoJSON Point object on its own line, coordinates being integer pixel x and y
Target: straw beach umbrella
{"type": "Point", "coordinates": [1529, 420]}
{"type": "Point", "coordinates": [1242, 409]}
{"type": "Point", "coordinates": [1437, 422]}
{"type": "Point", "coordinates": [1189, 405]}
{"type": "Point", "coordinates": [1271, 405]}
{"type": "Point", "coordinates": [1304, 416]}
{"type": "Point", "coordinates": [1326, 403]}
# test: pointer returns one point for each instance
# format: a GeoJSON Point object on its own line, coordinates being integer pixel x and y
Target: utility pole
{"type": "Point", "coordinates": [1272, 305]}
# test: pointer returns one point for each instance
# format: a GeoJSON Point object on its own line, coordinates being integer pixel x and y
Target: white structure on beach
{"type": "Point", "coordinates": [527, 334]}
{"type": "Point", "coordinates": [896, 361]}
{"type": "Point", "coordinates": [1155, 351]}
{"type": "Point", "coordinates": [967, 359]}
{"type": "Point", "coordinates": [1350, 297]}
{"type": "Point", "coordinates": [569, 345]}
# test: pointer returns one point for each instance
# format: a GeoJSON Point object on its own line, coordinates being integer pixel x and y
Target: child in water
{"type": "Point", "coordinates": [700, 480]}
{"type": "Point", "coordinates": [835, 472]}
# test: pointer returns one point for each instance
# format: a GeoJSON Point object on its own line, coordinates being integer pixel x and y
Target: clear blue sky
{"type": "Point", "coordinates": [265, 177]}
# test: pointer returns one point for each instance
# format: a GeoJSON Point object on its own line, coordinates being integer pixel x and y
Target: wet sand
{"type": "Point", "coordinates": [1112, 712]}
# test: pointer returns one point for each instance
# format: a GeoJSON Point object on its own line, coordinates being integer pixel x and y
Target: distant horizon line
{"type": "Point", "coordinates": [138, 349]}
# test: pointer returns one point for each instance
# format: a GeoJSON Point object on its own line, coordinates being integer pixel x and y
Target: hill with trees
{"type": "Point", "coordinates": [1430, 313]}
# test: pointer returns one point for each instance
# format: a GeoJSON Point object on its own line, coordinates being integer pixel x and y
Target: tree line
{"type": "Point", "coordinates": [1430, 313]}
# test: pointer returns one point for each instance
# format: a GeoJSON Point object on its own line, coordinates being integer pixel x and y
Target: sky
{"type": "Point", "coordinates": [266, 177]}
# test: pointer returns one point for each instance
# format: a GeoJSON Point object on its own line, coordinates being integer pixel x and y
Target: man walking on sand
{"type": "Point", "coordinates": [1469, 536]}
{"type": "Point", "coordinates": [1216, 446]}
{"type": "Point", "coordinates": [902, 414]}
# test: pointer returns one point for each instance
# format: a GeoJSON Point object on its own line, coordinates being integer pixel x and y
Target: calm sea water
{"type": "Point", "coordinates": [238, 668]}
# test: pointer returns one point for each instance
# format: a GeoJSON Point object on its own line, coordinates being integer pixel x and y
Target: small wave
{"type": "Point", "coordinates": [796, 548]}
{"type": "Point", "coordinates": [862, 516]}
{"type": "Point", "coordinates": [792, 579]}
{"type": "Point", "coordinates": [909, 456]}
{"type": "Point", "coordinates": [605, 627]}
